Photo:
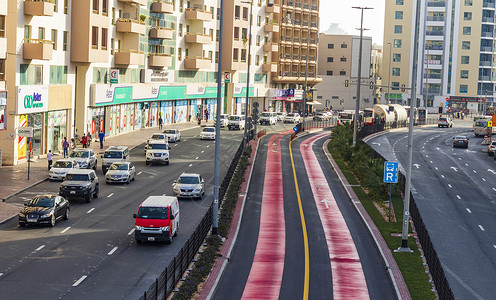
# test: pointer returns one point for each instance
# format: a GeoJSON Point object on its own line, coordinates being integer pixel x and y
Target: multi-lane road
{"type": "Point", "coordinates": [455, 191]}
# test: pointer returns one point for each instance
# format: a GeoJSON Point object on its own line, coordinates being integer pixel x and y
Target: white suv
{"type": "Point", "coordinates": [236, 122]}
{"type": "Point", "coordinates": [268, 118]}
{"type": "Point", "coordinates": [157, 152]}
{"type": "Point", "coordinates": [491, 148]}
{"type": "Point", "coordinates": [114, 154]}
{"type": "Point", "coordinates": [444, 122]}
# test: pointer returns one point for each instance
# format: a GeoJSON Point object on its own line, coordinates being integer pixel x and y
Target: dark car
{"type": "Point", "coordinates": [44, 209]}
{"type": "Point", "coordinates": [460, 141]}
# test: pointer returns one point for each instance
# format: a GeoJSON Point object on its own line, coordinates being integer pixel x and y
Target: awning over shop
{"type": "Point", "coordinates": [313, 102]}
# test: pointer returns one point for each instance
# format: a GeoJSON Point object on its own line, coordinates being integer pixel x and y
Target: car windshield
{"type": "Point", "coordinates": [161, 213]}
{"type": "Point", "coordinates": [265, 115]}
{"type": "Point", "coordinates": [77, 177]}
{"type": "Point", "coordinates": [442, 119]}
{"type": "Point", "coordinates": [112, 154]}
{"type": "Point", "coordinates": [170, 131]}
{"type": "Point", "coordinates": [79, 154]}
{"type": "Point", "coordinates": [157, 137]}
{"type": "Point", "coordinates": [62, 164]}
{"type": "Point", "coordinates": [188, 180]}
{"type": "Point", "coordinates": [158, 146]}
{"type": "Point", "coordinates": [234, 118]}
{"type": "Point", "coordinates": [460, 137]}
{"type": "Point", "coordinates": [42, 202]}
{"type": "Point", "coordinates": [208, 129]}
{"type": "Point", "coordinates": [119, 167]}
{"type": "Point", "coordinates": [279, 113]}
{"type": "Point", "coordinates": [223, 116]}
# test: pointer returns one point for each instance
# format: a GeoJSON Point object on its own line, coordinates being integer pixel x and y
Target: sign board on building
{"type": "Point", "coordinates": [390, 172]}
{"type": "Point", "coordinates": [32, 99]}
{"type": "Point", "coordinates": [3, 98]}
{"type": "Point", "coordinates": [464, 99]}
{"type": "Point", "coordinates": [25, 131]}
{"type": "Point", "coordinates": [114, 76]}
{"type": "Point", "coordinates": [227, 77]}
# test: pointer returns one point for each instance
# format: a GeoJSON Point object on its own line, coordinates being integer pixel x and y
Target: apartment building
{"type": "Point", "coordinates": [455, 47]}
{"type": "Point", "coordinates": [119, 65]}
{"type": "Point", "coordinates": [337, 64]}
{"type": "Point", "coordinates": [3, 56]}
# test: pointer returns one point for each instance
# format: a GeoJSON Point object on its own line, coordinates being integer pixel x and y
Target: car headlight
{"type": "Point", "coordinates": [138, 227]}
{"type": "Point", "coordinates": [48, 215]}
{"type": "Point", "coordinates": [22, 215]}
{"type": "Point", "coordinates": [165, 154]}
{"type": "Point", "coordinates": [176, 189]}
{"type": "Point", "coordinates": [166, 228]}
{"type": "Point", "coordinates": [149, 154]}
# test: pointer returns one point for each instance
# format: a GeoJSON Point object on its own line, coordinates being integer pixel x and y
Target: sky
{"type": "Point", "coordinates": [340, 12]}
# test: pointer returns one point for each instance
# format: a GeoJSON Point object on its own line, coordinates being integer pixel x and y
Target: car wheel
{"type": "Point", "coordinates": [53, 221]}
{"type": "Point", "coordinates": [94, 167]}
{"type": "Point", "coordinates": [147, 163]}
{"type": "Point", "coordinates": [177, 229]}
{"type": "Point", "coordinates": [22, 224]}
{"type": "Point", "coordinates": [88, 198]}
{"type": "Point", "coordinates": [138, 241]}
{"type": "Point", "coordinates": [134, 177]}
{"type": "Point", "coordinates": [66, 215]}
{"type": "Point", "coordinates": [95, 194]}
{"type": "Point", "coordinates": [128, 180]}
{"type": "Point", "coordinates": [170, 239]}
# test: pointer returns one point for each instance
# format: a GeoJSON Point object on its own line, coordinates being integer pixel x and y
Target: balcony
{"type": "Point", "coordinates": [272, 9]}
{"type": "Point", "coordinates": [487, 20]}
{"type": "Point", "coordinates": [488, 4]}
{"type": "Point", "coordinates": [38, 8]}
{"type": "Point", "coordinates": [435, 18]}
{"type": "Point", "coordinates": [270, 48]}
{"type": "Point", "coordinates": [271, 28]}
{"type": "Point", "coordinates": [434, 32]}
{"type": "Point", "coordinates": [432, 62]}
{"type": "Point", "coordinates": [130, 26]}
{"type": "Point", "coordinates": [197, 38]}
{"type": "Point", "coordinates": [198, 14]}
{"type": "Point", "coordinates": [164, 7]}
{"type": "Point", "coordinates": [269, 68]}
{"type": "Point", "coordinates": [137, 2]}
{"type": "Point", "coordinates": [128, 57]}
{"type": "Point", "coordinates": [161, 33]}
{"type": "Point", "coordinates": [37, 49]}
{"type": "Point", "coordinates": [197, 62]}
{"type": "Point", "coordinates": [159, 60]}
{"type": "Point", "coordinates": [436, 4]}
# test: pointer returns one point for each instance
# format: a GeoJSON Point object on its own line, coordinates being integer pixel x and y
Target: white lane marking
{"type": "Point", "coordinates": [112, 251]}
{"type": "Point", "coordinates": [493, 246]}
{"type": "Point", "coordinates": [494, 189]}
{"type": "Point", "coordinates": [450, 185]}
{"type": "Point", "coordinates": [65, 229]}
{"type": "Point", "coordinates": [469, 211]}
{"type": "Point", "coordinates": [430, 161]}
{"type": "Point", "coordinates": [39, 248]}
{"type": "Point", "coordinates": [190, 165]}
{"type": "Point", "coordinates": [80, 280]}
{"type": "Point", "coordinates": [459, 158]}
{"type": "Point", "coordinates": [202, 151]}
{"type": "Point", "coordinates": [483, 179]}
{"type": "Point", "coordinates": [426, 155]}
{"type": "Point", "coordinates": [481, 228]}
{"type": "Point", "coordinates": [458, 197]}
{"type": "Point", "coordinates": [175, 145]}
{"type": "Point", "coordinates": [474, 171]}
{"type": "Point", "coordinates": [131, 232]}
{"type": "Point", "coordinates": [89, 211]}
{"type": "Point", "coordinates": [2, 273]}
{"type": "Point", "coordinates": [197, 157]}
{"type": "Point", "coordinates": [139, 173]}
{"type": "Point", "coordinates": [466, 165]}
{"type": "Point", "coordinates": [436, 168]}
{"type": "Point", "coordinates": [208, 146]}
{"type": "Point", "coordinates": [442, 176]}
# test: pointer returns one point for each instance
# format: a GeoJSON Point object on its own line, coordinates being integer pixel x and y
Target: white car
{"type": "Point", "coordinates": [121, 172]}
{"type": "Point", "coordinates": [61, 167]}
{"type": "Point", "coordinates": [224, 120]}
{"type": "Point", "coordinates": [268, 118]}
{"type": "Point", "coordinates": [85, 157]}
{"type": "Point", "coordinates": [281, 115]}
{"type": "Point", "coordinates": [236, 122]}
{"type": "Point", "coordinates": [189, 185]}
{"type": "Point", "coordinates": [292, 118]}
{"type": "Point", "coordinates": [173, 135]}
{"type": "Point", "coordinates": [161, 137]}
{"type": "Point", "coordinates": [157, 152]}
{"type": "Point", "coordinates": [208, 133]}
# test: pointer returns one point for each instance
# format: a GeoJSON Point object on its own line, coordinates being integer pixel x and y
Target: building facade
{"type": "Point", "coordinates": [456, 49]}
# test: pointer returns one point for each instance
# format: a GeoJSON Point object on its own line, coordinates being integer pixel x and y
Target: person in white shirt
{"type": "Point", "coordinates": [49, 157]}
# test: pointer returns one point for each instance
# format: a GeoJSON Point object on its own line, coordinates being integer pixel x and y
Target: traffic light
{"type": "Point", "coordinates": [346, 83]}
{"type": "Point", "coordinates": [372, 85]}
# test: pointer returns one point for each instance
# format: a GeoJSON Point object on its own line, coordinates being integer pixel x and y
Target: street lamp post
{"type": "Point", "coordinates": [389, 73]}
{"type": "Point", "coordinates": [306, 79]}
{"type": "Point", "coordinates": [245, 137]}
{"type": "Point", "coordinates": [357, 105]}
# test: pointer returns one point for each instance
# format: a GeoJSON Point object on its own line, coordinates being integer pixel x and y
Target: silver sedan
{"type": "Point", "coordinates": [124, 172]}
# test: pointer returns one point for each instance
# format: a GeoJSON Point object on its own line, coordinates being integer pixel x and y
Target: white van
{"type": "Point", "coordinates": [268, 118]}
{"type": "Point", "coordinates": [236, 122]}
{"type": "Point", "coordinates": [157, 219]}
{"type": "Point", "coordinates": [114, 154]}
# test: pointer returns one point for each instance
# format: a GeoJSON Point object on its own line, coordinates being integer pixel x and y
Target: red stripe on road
{"type": "Point", "coordinates": [264, 281]}
{"type": "Point", "coordinates": [348, 280]}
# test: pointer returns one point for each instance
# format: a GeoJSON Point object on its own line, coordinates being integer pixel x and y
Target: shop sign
{"type": "Point", "coordinates": [114, 76]}
{"type": "Point", "coordinates": [163, 76]}
{"type": "Point", "coordinates": [25, 131]}
{"type": "Point", "coordinates": [32, 99]}
{"type": "Point", "coordinates": [195, 89]}
{"type": "Point", "coordinates": [3, 97]}
{"type": "Point", "coordinates": [285, 93]}
{"type": "Point", "coordinates": [240, 91]}
{"type": "Point", "coordinates": [465, 99]}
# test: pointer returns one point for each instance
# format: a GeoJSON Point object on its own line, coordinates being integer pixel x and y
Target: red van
{"type": "Point", "coordinates": [157, 219]}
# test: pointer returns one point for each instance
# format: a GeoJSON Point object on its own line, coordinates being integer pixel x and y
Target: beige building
{"type": "Point", "coordinates": [455, 45]}
{"type": "Point", "coordinates": [337, 64]}
{"type": "Point", "coordinates": [3, 56]}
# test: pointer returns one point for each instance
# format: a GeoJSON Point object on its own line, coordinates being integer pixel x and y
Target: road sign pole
{"type": "Point", "coordinates": [390, 203]}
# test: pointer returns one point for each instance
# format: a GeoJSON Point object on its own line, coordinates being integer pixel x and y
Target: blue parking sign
{"type": "Point", "coordinates": [390, 172]}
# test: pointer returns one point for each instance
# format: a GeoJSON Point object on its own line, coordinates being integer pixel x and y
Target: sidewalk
{"type": "Point", "coordinates": [14, 178]}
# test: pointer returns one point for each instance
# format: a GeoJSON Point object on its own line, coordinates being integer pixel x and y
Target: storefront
{"type": "Point", "coordinates": [194, 109]}
{"type": "Point", "coordinates": [3, 110]}
{"type": "Point", "coordinates": [57, 121]}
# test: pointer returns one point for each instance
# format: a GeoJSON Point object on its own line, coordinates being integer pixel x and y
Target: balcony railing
{"type": "Point", "coordinates": [432, 62]}
{"type": "Point", "coordinates": [130, 26]}
{"type": "Point", "coordinates": [487, 20]}
{"type": "Point", "coordinates": [484, 78]}
{"type": "Point", "coordinates": [486, 49]}
{"type": "Point", "coordinates": [161, 33]}
{"type": "Point", "coordinates": [435, 18]}
{"type": "Point", "coordinates": [198, 38]}
{"type": "Point", "coordinates": [159, 60]}
{"type": "Point", "coordinates": [488, 4]}
{"type": "Point", "coordinates": [435, 47]}
{"type": "Point", "coordinates": [163, 6]}
{"type": "Point", "coordinates": [128, 57]}
{"type": "Point", "coordinates": [434, 32]}
{"type": "Point", "coordinates": [38, 8]}
{"type": "Point", "coordinates": [37, 49]}
{"type": "Point", "coordinates": [434, 76]}
{"type": "Point", "coordinates": [198, 14]}
{"type": "Point", "coordinates": [436, 4]}
{"type": "Point", "coordinates": [197, 62]}
{"type": "Point", "coordinates": [485, 63]}
{"type": "Point", "coordinates": [487, 34]}
{"type": "Point", "coordinates": [138, 2]}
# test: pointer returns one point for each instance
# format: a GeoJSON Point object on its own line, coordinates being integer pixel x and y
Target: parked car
{"type": "Point", "coordinates": [208, 133]}
{"type": "Point", "coordinates": [114, 154]}
{"type": "Point", "coordinates": [224, 120]}
{"type": "Point", "coordinates": [491, 148]}
{"type": "Point", "coordinates": [189, 185]}
{"type": "Point", "coordinates": [445, 122]}
{"type": "Point", "coordinates": [268, 118]}
{"type": "Point", "coordinates": [320, 116]}
{"type": "Point", "coordinates": [460, 141]}
{"type": "Point", "coordinates": [173, 135]}
{"type": "Point", "coordinates": [157, 219]}
{"type": "Point", "coordinates": [236, 122]}
{"type": "Point", "coordinates": [281, 115]}
{"type": "Point", "coordinates": [292, 118]}
{"type": "Point", "coordinates": [80, 184]}
{"type": "Point", "coordinates": [44, 209]}
{"type": "Point", "coordinates": [85, 157]}
{"type": "Point", "coordinates": [121, 172]}
{"type": "Point", "coordinates": [61, 167]}
{"type": "Point", "coordinates": [160, 137]}
{"type": "Point", "coordinates": [157, 152]}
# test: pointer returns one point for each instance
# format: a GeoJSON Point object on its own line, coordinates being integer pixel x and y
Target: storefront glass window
{"type": "Point", "coordinates": [56, 130]}
{"type": "Point", "coordinates": [37, 121]}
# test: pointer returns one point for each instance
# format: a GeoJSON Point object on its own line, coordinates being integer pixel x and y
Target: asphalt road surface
{"type": "Point", "coordinates": [336, 258]}
{"type": "Point", "coordinates": [454, 189]}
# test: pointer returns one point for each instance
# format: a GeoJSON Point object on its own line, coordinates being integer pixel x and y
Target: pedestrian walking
{"type": "Point", "coordinates": [49, 158]}
{"type": "Point", "coordinates": [84, 140]}
{"type": "Point", "coordinates": [88, 143]}
{"type": "Point", "coordinates": [65, 147]}
{"type": "Point", "coordinates": [160, 122]}
{"type": "Point", "coordinates": [206, 114]}
{"type": "Point", "coordinates": [101, 136]}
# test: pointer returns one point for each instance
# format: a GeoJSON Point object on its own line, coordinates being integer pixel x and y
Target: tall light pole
{"type": "Point", "coordinates": [389, 73]}
{"type": "Point", "coordinates": [357, 105]}
{"type": "Point", "coordinates": [245, 137]}
{"type": "Point", "coordinates": [215, 207]}
{"type": "Point", "coordinates": [306, 78]}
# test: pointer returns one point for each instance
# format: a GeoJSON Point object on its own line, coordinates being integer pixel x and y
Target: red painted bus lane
{"type": "Point", "coordinates": [347, 273]}
{"type": "Point", "coordinates": [264, 280]}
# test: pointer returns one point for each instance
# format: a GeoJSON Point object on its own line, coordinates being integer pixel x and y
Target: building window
{"type": "Point", "coordinates": [330, 46]}
{"type": "Point", "coordinates": [54, 39]}
{"type": "Point", "coordinates": [465, 60]}
{"type": "Point", "coordinates": [95, 6]}
{"type": "Point", "coordinates": [245, 13]}
{"type": "Point", "coordinates": [468, 2]}
{"type": "Point", "coordinates": [243, 55]}
{"type": "Point", "coordinates": [330, 59]}
{"type": "Point", "coordinates": [2, 69]}
{"type": "Point", "coordinates": [343, 59]}
{"type": "Point", "coordinates": [396, 71]}
{"type": "Point", "coordinates": [235, 54]}
{"type": "Point", "coordinates": [2, 26]}
{"type": "Point", "coordinates": [41, 33]}
{"type": "Point", "coordinates": [343, 45]}
{"type": "Point", "coordinates": [27, 32]}
{"type": "Point", "coordinates": [216, 58]}
{"type": "Point", "coordinates": [464, 74]}
{"type": "Point", "coordinates": [237, 12]}
{"type": "Point", "coordinates": [342, 73]}
{"type": "Point", "coordinates": [463, 88]}
{"type": "Point", "coordinates": [31, 74]}
{"type": "Point", "coordinates": [399, 2]}
{"type": "Point", "coordinates": [179, 54]}
{"type": "Point", "coordinates": [112, 46]}
{"type": "Point", "coordinates": [467, 16]}
{"type": "Point", "coordinates": [398, 29]}
{"type": "Point", "coordinates": [217, 36]}
{"type": "Point", "coordinates": [398, 15]}
{"type": "Point", "coordinates": [244, 34]}
{"type": "Point", "coordinates": [66, 7]}
{"type": "Point", "coordinates": [395, 86]}
{"type": "Point", "coordinates": [467, 30]}
{"type": "Point", "coordinates": [180, 31]}
{"type": "Point", "coordinates": [65, 40]}
{"type": "Point", "coordinates": [104, 38]}
{"type": "Point", "coordinates": [258, 40]}
{"type": "Point", "coordinates": [397, 44]}
{"type": "Point", "coordinates": [94, 37]}
{"type": "Point", "coordinates": [210, 55]}
{"type": "Point", "coordinates": [396, 57]}
{"type": "Point", "coordinates": [211, 34]}
{"type": "Point", "coordinates": [329, 73]}
{"type": "Point", "coordinates": [465, 45]}
{"type": "Point", "coordinates": [259, 21]}
{"type": "Point", "coordinates": [58, 74]}
{"type": "Point", "coordinates": [236, 33]}
{"type": "Point", "coordinates": [105, 7]}
{"type": "Point", "coordinates": [257, 60]}
{"type": "Point", "coordinates": [55, 4]}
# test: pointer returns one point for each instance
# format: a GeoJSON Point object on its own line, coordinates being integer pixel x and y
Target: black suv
{"type": "Point", "coordinates": [80, 183]}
